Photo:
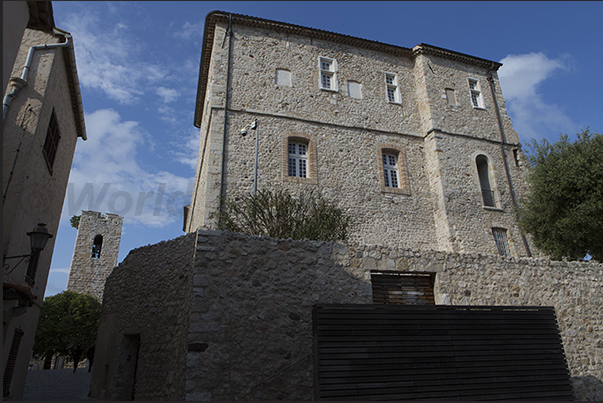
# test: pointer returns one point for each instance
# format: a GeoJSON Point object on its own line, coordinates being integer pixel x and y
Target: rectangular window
{"type": "Point", "coordinates": [283, 77]}
{"type": "Point", "coordinates": [355, 89]}
{"type": "Point", "coordinates": [392, 92]}
{"type": "Point", "coordinates": [476, 94]}
{"type": "Point", "coordinates": [51, 144]}
{"type": "Point", "coordinates": [328, 74]}
{"type": "Point", "coordinates": [500, 237]}
{"type": "Point", "coordinates": [391, 287]}
{"type": "Point", "coordinates": [450, 96]}
{"type": "Point", "coordinates": [298, 160]}
{"type": "Point", "coordinates": [390, 170]}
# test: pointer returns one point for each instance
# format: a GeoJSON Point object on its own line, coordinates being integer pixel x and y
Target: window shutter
{"type": "Point", "coordinates": [390, 287]}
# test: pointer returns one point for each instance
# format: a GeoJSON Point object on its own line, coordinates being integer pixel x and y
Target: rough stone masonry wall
{"type": "Point", "coordinates": [251, 317]}
{"type": "Point", "coordinates": [147, 295]}
{"type": "Point", "coordinates": [88, 275]}
{"type": "Point", "coordinates": [349, 135]}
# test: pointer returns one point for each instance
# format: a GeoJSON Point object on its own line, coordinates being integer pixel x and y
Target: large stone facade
{"type": "Point", "coordinates": [43, 119]}
{"type": "Point", "coordinates": [433, 127]}
{"type": "Point", "coordinates": [92, 262]}
{"type": "Point", "coordinates": [229, 317]}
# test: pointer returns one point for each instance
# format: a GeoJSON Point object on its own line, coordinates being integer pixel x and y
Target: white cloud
{"type": "Point", "coordinates": [167, 94]}
{"type": "Point", "coordinates": [187, 150]}
{"type": "Point", "coordinates": [120, 184]}
{"type": "Point", "coordinates": [190, 31]}
{"type": "Point", "coordinates": [520, 78]}
{"type": "Point", "coordinates": [109, 59]}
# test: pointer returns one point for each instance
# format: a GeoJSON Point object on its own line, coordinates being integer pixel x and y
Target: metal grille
{"type": "Point", "coordinates": [500, 237]}
{"type": "Point", "coordinates": [390, 287]}
{"type": "Point", "coordinates": [10, 362]}
{"type": "Point", "coordinates": [488, 196]}
{"type": "Point", "coordinates": [436, 352]}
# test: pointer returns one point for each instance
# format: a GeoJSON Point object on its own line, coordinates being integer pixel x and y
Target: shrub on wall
{"type": "Point", "coordinates": [279, 214]}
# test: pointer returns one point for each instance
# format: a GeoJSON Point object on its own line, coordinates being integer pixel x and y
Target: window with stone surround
{"type": "Point", "coordinates": [485, 181]}
{"type": "Point", "coordinates": [500, 237]}
{"type": "Point", "coordinates": [96, 247]}
{"type": "Point", "coordinates": [355, 89]}
{"type": "Point", "coordinates": [327, 79]}
{"type": "Point", "coordinates": [51, 143]}
{"type": "Point", "coordinates": [283, 77]}
{"type": "Point", "coordinates": [393, 169]}
{"type": "Point", "coordinates": [392, 92]}
{"type": "Point", "coordinates": [299, 158]}
{"type": "Point", "coordinates": [450, 96]}
{"type": "Point", "coordinates": [476, 94]}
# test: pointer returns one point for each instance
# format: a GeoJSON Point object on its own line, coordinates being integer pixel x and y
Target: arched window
{"type": "Point", "coordinates": [483, 172]}
{"type": "Point", "coordinates": [97, 246]}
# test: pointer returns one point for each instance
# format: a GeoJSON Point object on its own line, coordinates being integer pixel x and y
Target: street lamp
{"type": "Point", "coordinates": [37, 239]}
{"type": "Point", "coordinates": [253, 126]}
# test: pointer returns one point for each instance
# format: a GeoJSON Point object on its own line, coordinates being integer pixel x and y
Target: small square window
{"type": "Point", "coordinates": [450, 96]}
{"type": "Point", "coordinates": [283, 77]}
{"type": "Point", "coordinates": [355, 89]}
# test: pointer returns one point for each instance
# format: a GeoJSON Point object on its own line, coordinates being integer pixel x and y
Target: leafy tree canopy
{"type": "Point", "coordinates": [67, 320]}
{"type": "Point", "coordinates": [75, 221]}
{"type": "Point", "coordinates": [279, 214]}
{"type": "Point", "coordinates": [564, 208]}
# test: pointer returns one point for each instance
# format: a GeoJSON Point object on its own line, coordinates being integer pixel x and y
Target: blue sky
{"type": "Point", "coordinates": [138, 64]}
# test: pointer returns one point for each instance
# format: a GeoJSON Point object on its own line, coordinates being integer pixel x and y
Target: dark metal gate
{"type": "Point", "coordinates": [398, 352]}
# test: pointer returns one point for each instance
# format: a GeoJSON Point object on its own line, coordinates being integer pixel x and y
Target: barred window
{"type": "Point", "coordinates": [500, 237]}
{"type": "Point", "coordinates": [483, 172]}
{"type": "Point", "coordinates": [298, 159]}
{"type": "Point", "coordinates": [51, 144]}
{"type": "Point", "coordinates": [392, 287]}
{"type": "Point", "coordinates": [390, 170]}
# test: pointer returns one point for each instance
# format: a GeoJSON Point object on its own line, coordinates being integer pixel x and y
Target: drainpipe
{"type": "Point", "coordinates": [223, 171]}
{"type": "Point", "coordinates": [20, 82]}
{"type": "Point", "coordinates": [503, 140]}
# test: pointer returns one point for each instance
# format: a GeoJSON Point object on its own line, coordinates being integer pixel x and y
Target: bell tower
{"type": "Point", "coordinates": [95, 253]}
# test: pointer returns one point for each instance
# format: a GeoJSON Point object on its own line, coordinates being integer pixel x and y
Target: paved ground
{"type": "Point", "coordinates": [57, 384]}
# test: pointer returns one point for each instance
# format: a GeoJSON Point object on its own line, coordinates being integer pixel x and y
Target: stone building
{"type": "Point", "coordinates": [95, 253]}
{"type": "Point", "coordinates": [414, 144]}
{"type": "Point", "coordinates": [43, 118]}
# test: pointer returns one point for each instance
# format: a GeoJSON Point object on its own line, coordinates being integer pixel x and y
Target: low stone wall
{"type": "Point", "coordinates": [251, 317]}
{"type": "Point", "coordinates": [144, 323]}
{"type": "Point", "coordinates": [223, 316]}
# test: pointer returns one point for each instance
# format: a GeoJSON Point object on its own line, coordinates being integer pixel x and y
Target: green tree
{"type": "Point", "coordinates": [564, 208]}
{"type": "Point", "coordinates": [75, 221]}
{"type": "Point", "coordinates": [279, 214]}
{"type": "Point", "coordinates": [68, 321]}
